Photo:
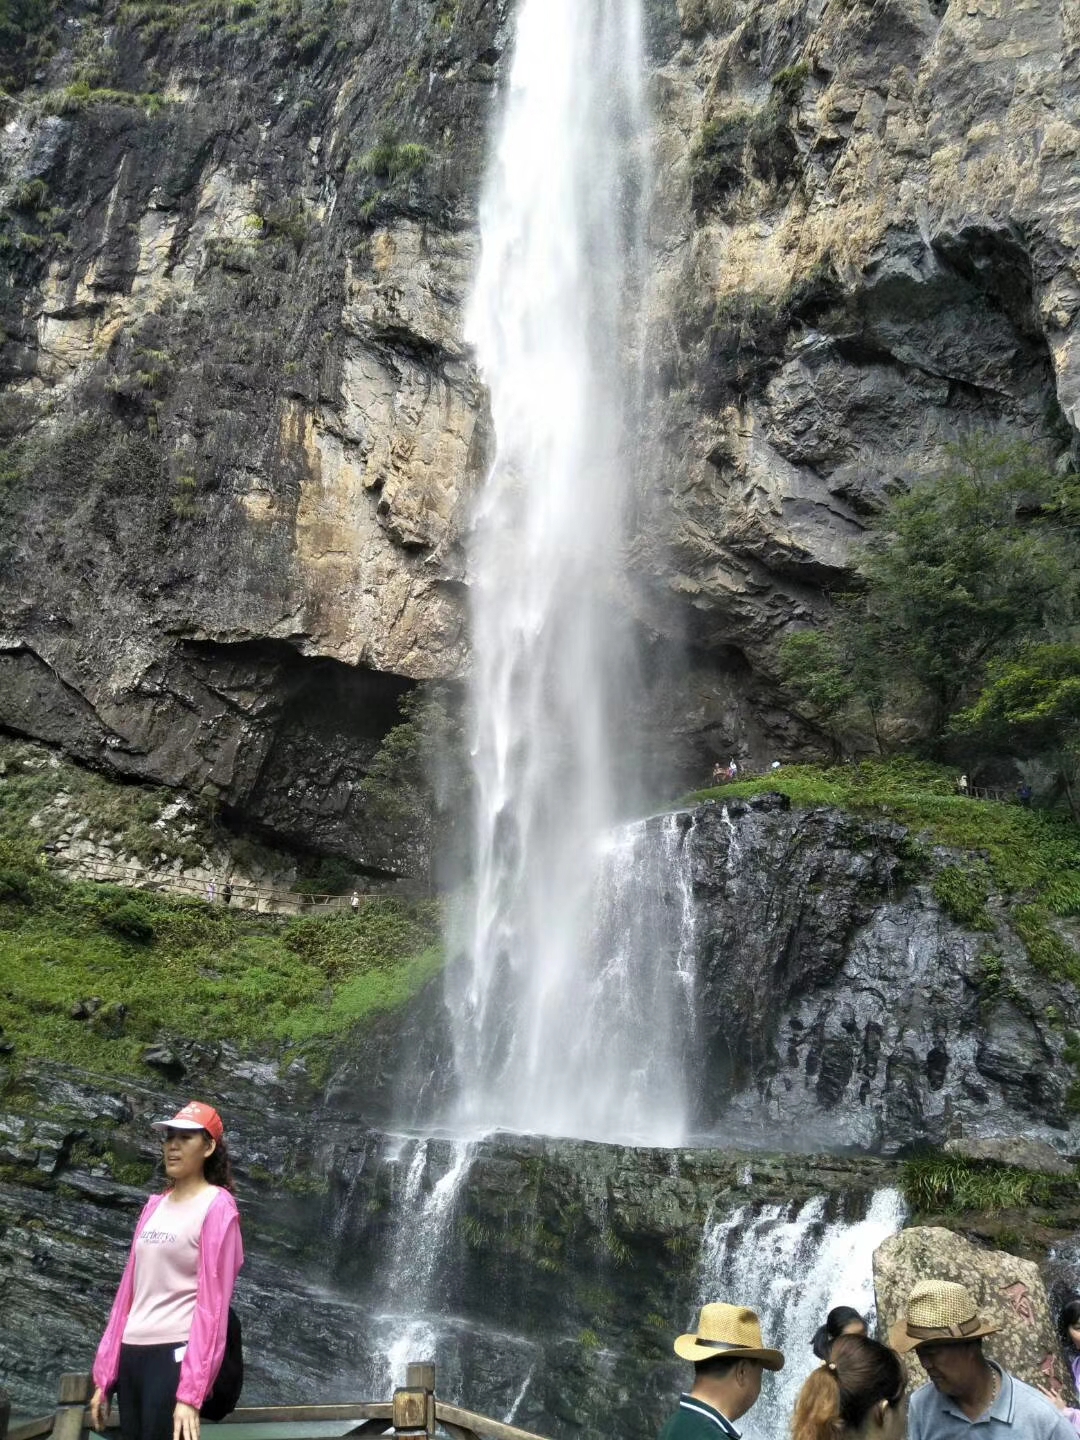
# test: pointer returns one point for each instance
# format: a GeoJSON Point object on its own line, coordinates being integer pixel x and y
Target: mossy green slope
{"type": "Point", "coordinates": [155, 967]}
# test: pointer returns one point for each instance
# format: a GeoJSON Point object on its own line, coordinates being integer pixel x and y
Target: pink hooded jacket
{"type": "Point", "coordinates": [221, 1254]}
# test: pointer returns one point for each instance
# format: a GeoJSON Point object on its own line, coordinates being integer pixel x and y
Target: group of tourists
{"type": "Point", "coordinates": [860, 1389]}
{"type": "Point", "coordinates": [170, 1351]}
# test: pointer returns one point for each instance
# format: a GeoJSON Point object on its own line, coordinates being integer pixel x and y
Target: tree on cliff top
{"type": "Point", "coordinates": [959, 572]}
{"type": "Point", "coordinates": [1031, 706]}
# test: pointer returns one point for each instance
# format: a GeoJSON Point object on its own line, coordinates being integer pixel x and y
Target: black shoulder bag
{"type": "Point", "coordinates": [225, 1393]}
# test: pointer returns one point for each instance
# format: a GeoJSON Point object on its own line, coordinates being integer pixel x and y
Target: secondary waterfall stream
{"type": "Point", "coordinates": [565, 1022]}
{"type": "Point", "coordinates": [792, 1268]}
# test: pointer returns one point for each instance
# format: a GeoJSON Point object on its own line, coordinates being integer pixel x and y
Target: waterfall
{"type": "Point", "coordinates": [792, 1269]}
{"type": "Point", "coordinates": [408, 1329]}
{"type": "Point", "coordinates": [552, 322]}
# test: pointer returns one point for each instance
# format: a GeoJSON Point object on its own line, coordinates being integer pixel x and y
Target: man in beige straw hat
{"type": "Point", "coordinates": [966, 1389]}
{"type": "Point", "coordinates": [728, 1357]}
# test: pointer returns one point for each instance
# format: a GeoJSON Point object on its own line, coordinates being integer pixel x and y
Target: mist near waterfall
{"type": "Point", "coordinates": [567, 983]}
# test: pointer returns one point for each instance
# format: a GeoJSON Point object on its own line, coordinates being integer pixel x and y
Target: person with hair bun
{"type": "Point", "coordinates": [165, 1340]}
{"type": "Point", "coordinates": [859, 1392]}
{"type": "Point", "coordinates": [842, 1320]}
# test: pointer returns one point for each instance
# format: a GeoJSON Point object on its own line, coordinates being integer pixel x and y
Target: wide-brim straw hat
{"type": "Point", "coordinates": [727, 1331]}
{"type": "Point", "coordinates": [939, 1311]}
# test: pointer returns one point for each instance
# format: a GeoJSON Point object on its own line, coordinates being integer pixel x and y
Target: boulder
{"type": "Point", "coordinates": [1005, 1287]}
{"type": "Point", "coordinates": [1016, 1150]}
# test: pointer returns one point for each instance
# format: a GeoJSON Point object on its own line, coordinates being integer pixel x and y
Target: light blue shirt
{"type": "Point", "coordinates": [1018, 1413]}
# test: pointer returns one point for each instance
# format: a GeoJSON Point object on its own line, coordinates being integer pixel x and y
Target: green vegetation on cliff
{"type": "Point", "coordinates": [1030, 857]}
{"type": "Point", "coordinates": [93, 974]}
{"type": "Point", "coordinates": [967, 574]}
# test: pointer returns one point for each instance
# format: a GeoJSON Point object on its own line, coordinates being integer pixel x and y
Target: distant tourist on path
{"type": "Point", "coordinates": [962, 787]}
{"type": "Point", "coordinates": [1023, 794]}
{"type": "Point", "coordinates": [732, 769]}
{"type": "Point", "coordinates": [728, 1357]}
{"type": "Point", "coordinates": [354, 903]}
{"type": "Point", "coordinates": [775, 765]}
{"type": "Point", "coordinates": [966, 1388]}
{"type": "Point", "coordinates": [842, 1320]}
{"type": "Point", "coordinates": [165, 1341]}
{"type": "Point", "coordinates": [211, 891]}
{"type": "Point", "coordinates": [226, 893]}
{"type": "Point", "coordinates": [858, 1392]}
{"type": "Point", "coordinates": [719, 774]}
{"type": "Point", "coordinates": [1069, 1331]}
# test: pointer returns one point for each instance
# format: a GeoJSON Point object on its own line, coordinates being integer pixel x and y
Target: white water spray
{"type": "Point", "coordinates": [792, 1269]}
{"type": "Point", "coordinates": [540, 999]}
{"type": "Point", "coordinates": [408, 1329]}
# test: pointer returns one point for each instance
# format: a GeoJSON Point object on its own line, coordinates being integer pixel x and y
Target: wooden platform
{"type": "Point", "coordinates": [414, 1412]}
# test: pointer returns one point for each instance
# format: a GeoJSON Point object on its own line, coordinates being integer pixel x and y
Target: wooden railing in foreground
{"type": "Point", "coordinates": [414, 1413]}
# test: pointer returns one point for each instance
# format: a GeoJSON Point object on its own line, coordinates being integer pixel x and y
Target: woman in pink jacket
{"type": "Point", "coordinates": [165, 1339]}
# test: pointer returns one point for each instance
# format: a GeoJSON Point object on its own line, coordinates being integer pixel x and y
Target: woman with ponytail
{"type": "Point", "coordinates": [857, 1395]}
{"type": "Point", "coordinates": [165, 1340]}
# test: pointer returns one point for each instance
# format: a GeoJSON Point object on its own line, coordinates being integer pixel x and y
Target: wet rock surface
{"type": "Point", "coordinates": [565, 1268]}
{"type": "Point", "coordinates": [840, 1006]}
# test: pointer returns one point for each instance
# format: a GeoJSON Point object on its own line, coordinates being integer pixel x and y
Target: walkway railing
{"type": "Point", "coordinates": [414, 1412]}
{"type": "Point", "coordinates": [751, 772]}
{"type": "Point", "coordinates": [264, 899]}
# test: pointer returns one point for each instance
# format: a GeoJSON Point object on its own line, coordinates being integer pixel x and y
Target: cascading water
{"type": "Point", "coordinates": [559, 1027]}
{"type": "Point", "coordinates": [407, 1328]}
{"type": "Point", "coordinates": [792, 1269]}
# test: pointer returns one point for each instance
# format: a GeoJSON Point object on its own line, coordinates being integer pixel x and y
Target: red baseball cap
{"type": "Point", "coordinates": [194, 1116]}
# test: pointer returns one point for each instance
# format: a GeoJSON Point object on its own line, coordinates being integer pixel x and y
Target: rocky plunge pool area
{"type": "Point", "coordinates": [549, 1277]}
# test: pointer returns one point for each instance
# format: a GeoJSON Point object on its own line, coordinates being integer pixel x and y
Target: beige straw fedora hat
{"type": "Point", "coordinates": [727, 1330]}
{"type": "Point", "coordinates": [939, 1310]}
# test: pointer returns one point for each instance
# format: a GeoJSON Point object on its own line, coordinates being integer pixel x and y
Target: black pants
{"type": "Point", "coordinates": [146, 1390]}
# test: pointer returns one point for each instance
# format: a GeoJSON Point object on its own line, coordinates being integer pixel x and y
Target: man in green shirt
{"type": "Point", "coordinates": [728, 1357]}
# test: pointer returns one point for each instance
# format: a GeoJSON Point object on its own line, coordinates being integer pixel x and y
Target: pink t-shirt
{"type": "Point", "coordinates": [167, 1271]}
{"type": "Point", "coordinates": [220, 1256]}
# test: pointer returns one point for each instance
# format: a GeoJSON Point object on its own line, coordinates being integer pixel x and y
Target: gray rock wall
{"type": "Point", "coordinates": [232, 343]}
{"type": "Point", "coordinates": [842, 1007]}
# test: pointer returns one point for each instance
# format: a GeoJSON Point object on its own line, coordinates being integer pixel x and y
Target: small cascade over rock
{"type": "Point", "coordinates": [792, 1264]}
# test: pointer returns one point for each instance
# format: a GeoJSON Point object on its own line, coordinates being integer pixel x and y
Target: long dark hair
{"type": "Point", "coordinates": [218, 1167]}
{"type": "Point", "coordinates": [1068, 1318]}
{"type": "Point", "coordinates": [837, 1397]}
{"type": "Point", "coordinates": [825, 1336]}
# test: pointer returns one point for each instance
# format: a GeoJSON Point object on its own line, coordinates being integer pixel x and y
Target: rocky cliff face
{"type": "Point", "coordinates": [841, 1006]}
{"type": "Point", "coordinates": [868, 251]}
{"type": "Point", "coordinates": [241, 418]}
{"type": "Point", "coordinates": [242, 425]}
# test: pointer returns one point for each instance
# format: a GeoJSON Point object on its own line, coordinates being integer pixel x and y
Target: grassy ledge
{"type": "Point", "coordinates": [1030, 857]}
{"type": "Point", "coordinates": [93, 974]}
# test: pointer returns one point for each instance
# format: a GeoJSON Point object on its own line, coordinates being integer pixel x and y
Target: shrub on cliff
{"type": "Point", "coordinates": [131, 923]}
{"type": "Point", "coordinates": [961, 571]}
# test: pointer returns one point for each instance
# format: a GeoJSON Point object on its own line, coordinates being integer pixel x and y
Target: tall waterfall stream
{"type": "Point", "coordinates": [570, 986]}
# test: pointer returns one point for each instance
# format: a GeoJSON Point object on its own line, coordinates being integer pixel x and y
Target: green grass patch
{"type": "Point", "coordinates": [1027, 850]}
{"type": "Point", "coordinates": [962, 892]}
{"type": "Point", "coordinates": [945, 1184]}
{"type": "Point", "coordinates": [157, 967]}
{"type": "Point", "coordinates": [72, 99]}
